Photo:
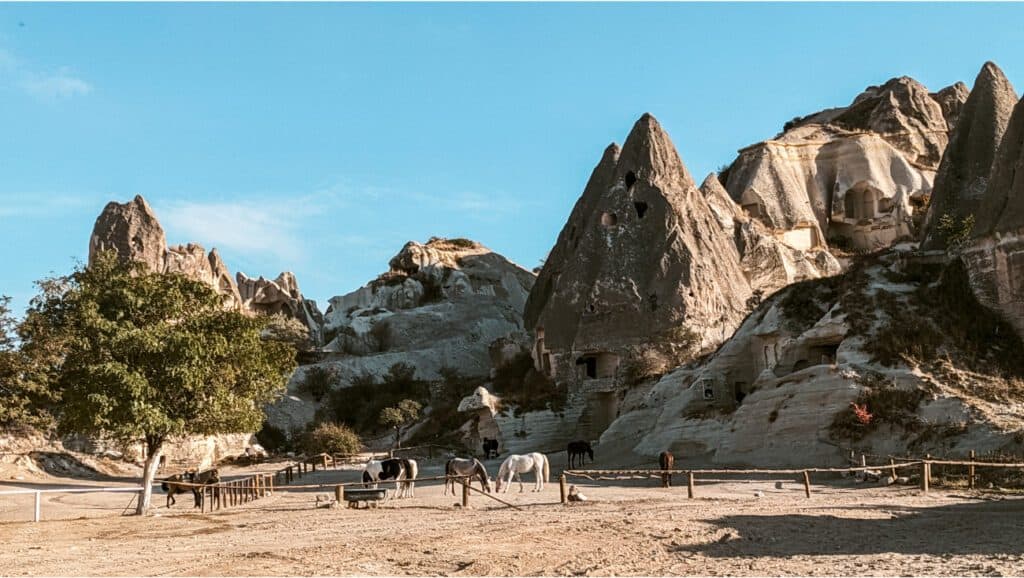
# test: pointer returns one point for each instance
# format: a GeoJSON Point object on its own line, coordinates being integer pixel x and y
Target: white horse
{"type": "Point", "coordinates": [516, 464]}
{"type": "Point", "coordinates": [408, 488]}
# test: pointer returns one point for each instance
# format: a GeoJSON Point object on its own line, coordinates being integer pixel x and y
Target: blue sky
{"type": "Point", "coordinates": [319, 138]}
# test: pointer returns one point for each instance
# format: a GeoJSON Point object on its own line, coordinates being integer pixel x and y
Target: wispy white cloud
{"type": "Point", "coordinates": [27, 205]}
{"type": "Point", "coordinates": [248, 227]}
{"type": "Point", "coordinates": [44, 85]}
{"type": "Point", "coordinates": [55, 86]}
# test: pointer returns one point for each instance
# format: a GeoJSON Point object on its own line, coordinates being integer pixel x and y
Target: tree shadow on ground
{"type": "Point", "coordinates": [983, 528]}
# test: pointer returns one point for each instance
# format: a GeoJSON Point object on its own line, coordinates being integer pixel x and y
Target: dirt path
{"type": "Point", "coordinates": [623, 530]}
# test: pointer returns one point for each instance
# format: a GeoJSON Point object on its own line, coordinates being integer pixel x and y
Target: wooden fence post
{"type": "Point", "coordinates": [689, 485]}
{"type": "Point", "coordinates": [337, 494]}
{"type": "Point", "coordinates": [892, 467]}
{"type": "Point", "coordinates": [465, 494]}
{"type": "Point", "coordinates": [970, 472]}
{"type": "Point", "coordinates": [39, 499]}
{"type": "Point", "coordinates": [924, 477]}
{"type": "Point", "coordinates": [562, 488]}
{"type": "Point", "coordinates": [863, 461]}
{"type": "Point", "coordinates": [807, 483]}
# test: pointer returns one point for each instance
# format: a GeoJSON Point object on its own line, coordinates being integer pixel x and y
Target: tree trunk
{"type": "Point", "coordinates": [398, 437]}
{"type": "Point", "coordinates": [153, 450]}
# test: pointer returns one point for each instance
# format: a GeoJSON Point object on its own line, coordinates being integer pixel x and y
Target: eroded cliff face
{"type": "Point", "coordinates": [894, 335]}
{"type": "Point", "coordinates": [963, 174]}
{"type": "Point", "coordinates": [995, 252]}
{"type": "Point", "coordinates": [641, 258]}
{"type": "Point", "coordinates": [446, 303]}
{"type": "Point", "coordinates": [134, 232]}
{"type": "Point", "coordinates": [850, 177]}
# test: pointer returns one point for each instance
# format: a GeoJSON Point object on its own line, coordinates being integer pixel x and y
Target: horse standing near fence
{"type": "Point", "coordinates": [490, 447]}
{"type": "Point", "coordinates": [667, 461]}
{"type": "Point", "coordinates": [168, 485]}
{"type": "Point", "coordinates": [389, 469]}
{"type": "Point", "coordinates": [514, 465]}
{"type": "Point", "coordinates": [580, 449]}
{"type": "Point", "coordinates": [466, 467]}
{"type": "Point", "coordinates": [209, 477]}
{"type": "Point", "coordinates": [408, 488]}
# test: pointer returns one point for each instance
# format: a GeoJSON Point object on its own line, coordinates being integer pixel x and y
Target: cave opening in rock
{"type": "Point", "coordinates": [641, 209]}
{"type": "Point", "coordinates": [600, 365]}
{"type": "Point", "coordinates": [738, 389]}
{"type": "Point", "coordinates": [630, 179]}
{"type": "Point", "coordinates": [860, 202]}
{"type": "Point", "coordinates": [609, 219]}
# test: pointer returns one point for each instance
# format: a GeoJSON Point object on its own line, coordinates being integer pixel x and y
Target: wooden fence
{"type": "Point", "coordinates": [924, 466]}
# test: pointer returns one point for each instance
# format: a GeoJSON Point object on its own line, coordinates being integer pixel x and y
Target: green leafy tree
{"type": "Point", "coordinates": [12, 400]}
{"type": "Point", "coordinates": [141, 356]}
{"type": "Point", "coordinates": [400, 417]}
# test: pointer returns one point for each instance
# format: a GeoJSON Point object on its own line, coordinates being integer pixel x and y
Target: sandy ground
{"type": "Point", "coordinates": [627, 528]}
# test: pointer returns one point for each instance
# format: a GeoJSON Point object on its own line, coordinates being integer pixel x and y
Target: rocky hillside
{"type": "Point", "coordinates": [851, 177]}
{"type": "Point", "coordinates": [444, 305]}
{"type": "Point", "coordinates": [907, 351]}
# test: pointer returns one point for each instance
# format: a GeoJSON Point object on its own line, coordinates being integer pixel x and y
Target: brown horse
{"type": "Point", "coordinates": [173, 488]}
{"type": "Point", "coordinates": [667, 461]}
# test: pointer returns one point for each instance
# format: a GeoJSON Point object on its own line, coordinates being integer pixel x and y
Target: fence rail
{"type": "Point", "coordinates": [925, 466]}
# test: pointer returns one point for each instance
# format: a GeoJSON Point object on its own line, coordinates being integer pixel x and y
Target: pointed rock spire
{"type": "Point", "coordinates": [642, 256]}
{"type": "Point", "coordinates": [132, 230]}
{"type": "Point", "coordinates": [1002, 208]}
{"type": "Point", "coordinates": [963, 173]}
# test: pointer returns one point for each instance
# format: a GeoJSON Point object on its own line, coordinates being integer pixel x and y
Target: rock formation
{"type": "Point", "coordinates": [963, 173]}
{"type": "Point", "coordinates": [850, 177]}
{"type": "Point", "coordinates": [779, 392]}
{"type": "Point", "coordinates": [280, 297]}
{"type": "Point", "coordinates": [768, 263]}
{"type": "Point", "coordinates": [951, 99]}
{"type": "Point", "coordinates": [641, 258]}
{"type": "Point", "coordinates": [446, 303]}
{"type": "Point", "coordinates": [995, 254]}
{"type": "Point", "coordinates": [133, 231]}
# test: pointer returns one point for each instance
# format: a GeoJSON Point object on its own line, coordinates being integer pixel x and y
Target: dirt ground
{"type": "Point", "coordinates": [625, 528]}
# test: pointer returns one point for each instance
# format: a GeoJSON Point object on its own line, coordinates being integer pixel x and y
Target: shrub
{"type": "Point", "coordinates": [953, 232]}
{"type": "Point", "coordinates": [317, 382]}
{"type": "Point", "coordinates": [273, 438]}
{"type": "Point", "coordinates": [332, 438]}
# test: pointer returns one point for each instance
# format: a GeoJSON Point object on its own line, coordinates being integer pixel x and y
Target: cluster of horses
{"type": "Point", "coordinates": [405, 471]}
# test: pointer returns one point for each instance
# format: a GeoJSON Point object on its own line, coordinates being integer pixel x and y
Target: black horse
{"type": "Point", "coordinates": [580, 449]}
{"type": "Point", "coordinates": [172, 486]}
{"type": "Point", "coordinates": [490, 448]}
{"type": "Point", "coordinates": [205, 478]}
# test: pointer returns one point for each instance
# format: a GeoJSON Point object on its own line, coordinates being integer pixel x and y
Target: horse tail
{"type": "Point", "coordinates": [547, 469]}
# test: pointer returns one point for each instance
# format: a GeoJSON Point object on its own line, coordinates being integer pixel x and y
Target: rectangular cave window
{"type": "Point", "coordinates": [600, 365]}
{"type": "Point", "coordinates": [708, 387]}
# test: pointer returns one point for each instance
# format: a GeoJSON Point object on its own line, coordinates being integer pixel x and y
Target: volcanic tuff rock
{"type": "Point", "coordinates": [280, 297]}
{"type": "Point", "coordinates": [963, 173]}
{"type": "Point", "coordinates": [443, 303]}
{"type": "Point", "coordinates": [995, 255]}
{"type": "Point", "coordinates": [778, 392]}
{"type": "Point", "coordinates": [952, 99]}
{"type": "Point", "coordinates": [132, 230]}
{"type": "Point", "coordinates": [641, 256]}
{"type": "Point", "coordinates": [851, 176]}
{"type": "Point", "coordinates": [768, 263]}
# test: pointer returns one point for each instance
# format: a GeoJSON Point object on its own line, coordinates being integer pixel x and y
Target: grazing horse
{"type": "Point", "coordinates": [390, 469]}
{"type": "Point", "coordinates": [173, 488]}
{"type": "Point", "coordinates": [580, 449]}
{"type": "Point", "coordinates": [490, 447]}
{"type": "Point", "coordinates": [667, 461]}
{"type": "Point", "coordinates": [205, 478]}
{"type": "Point", "coordinates": [466, 467]}
{"type": "Point", "coordinates": [516, 464]}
